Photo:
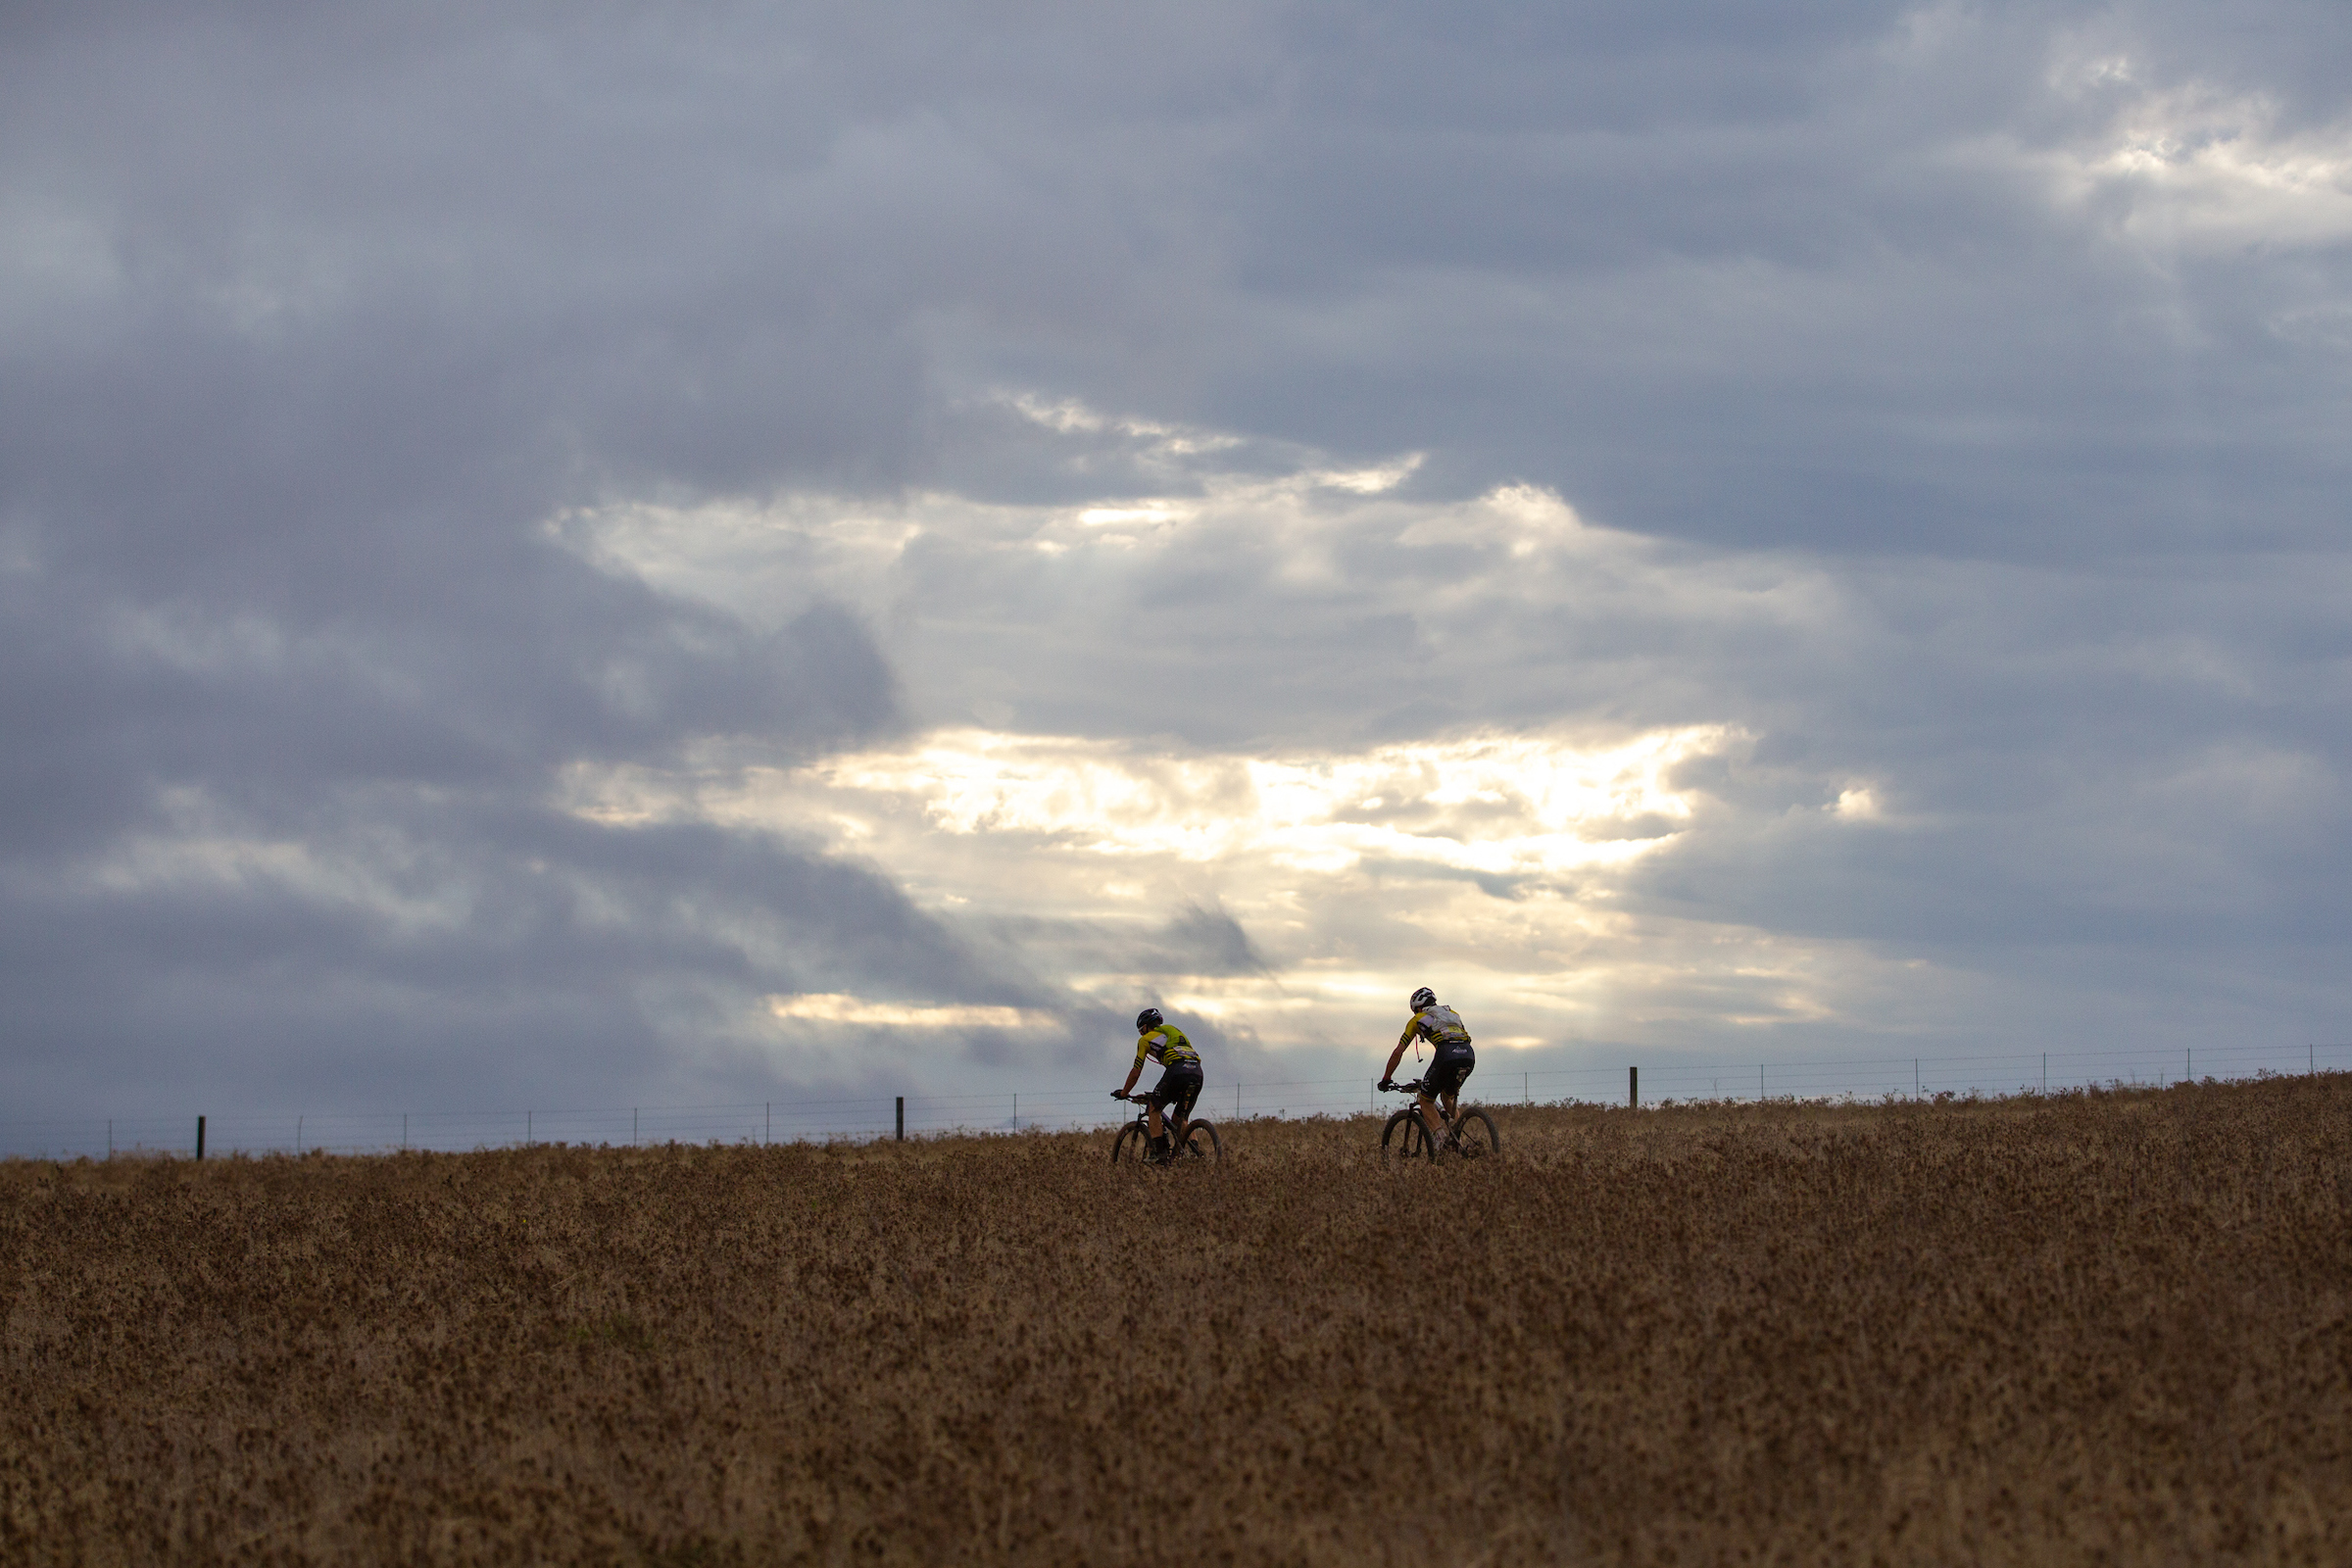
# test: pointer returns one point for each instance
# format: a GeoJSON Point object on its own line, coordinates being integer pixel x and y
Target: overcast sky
{"type": "Point", "coordinates": [622, 553]}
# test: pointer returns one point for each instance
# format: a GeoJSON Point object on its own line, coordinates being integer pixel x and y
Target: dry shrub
{"type": "Point", "coordinates": [2093, 1328]}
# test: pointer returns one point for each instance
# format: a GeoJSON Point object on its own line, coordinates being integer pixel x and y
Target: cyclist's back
{"type": "Point", "coordinates": [1442, 1027]}
{"type": "Point", "coordinates": [1166, 1045]}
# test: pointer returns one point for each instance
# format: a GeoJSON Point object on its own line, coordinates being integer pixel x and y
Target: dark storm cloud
{"type": "Point", "coordinates": [316, 327]}
{"type": "Point", "coordinates": [307, 340]}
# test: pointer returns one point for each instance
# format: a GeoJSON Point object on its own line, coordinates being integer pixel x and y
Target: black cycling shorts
{"type": "Point", "coordinates": [1446, 1072]}
{"type": "Point", "coordinates": [1178, 1086]}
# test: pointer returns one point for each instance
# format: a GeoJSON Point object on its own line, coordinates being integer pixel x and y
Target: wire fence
{"type": "Point", "coordinates": [866, 1117]}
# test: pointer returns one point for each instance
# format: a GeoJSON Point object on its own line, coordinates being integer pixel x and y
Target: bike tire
{"type": "Point", "coordinates": [1475, 1137]}
{"type": "Point", "coordinates": [1132, 1141]}
{"type": "Point", "coordinates": [1200, 1141]}
{"type": "Point", "coordinates": [1405, 1138]}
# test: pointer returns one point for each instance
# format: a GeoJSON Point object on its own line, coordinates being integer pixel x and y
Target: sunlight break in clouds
{"type": "Point", "coordinates": [1485, 862]}
{"type": "Point", "coordinates": [835, 1006]}
{"type": "Point", "coordinates": [1064, 796]}
{"type": "Point", "coordinates": [1501, 806]}
{"type": "Point", "coordinates": [2198, 166]}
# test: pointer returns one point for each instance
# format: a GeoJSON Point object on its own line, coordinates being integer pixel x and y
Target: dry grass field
{"type": "Point", "coordinates": [2102, 1328]}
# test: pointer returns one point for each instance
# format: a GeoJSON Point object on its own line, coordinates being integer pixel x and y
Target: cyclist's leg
{"type": "Point", "coordinates": [1182, 1089]}
{"type": "Point", "coordinates": [1169, 1103]}
{"type": "Point", "coordinates": [1450, 1075]}
{"type": "Point", "coordinates": [1429, 1120]}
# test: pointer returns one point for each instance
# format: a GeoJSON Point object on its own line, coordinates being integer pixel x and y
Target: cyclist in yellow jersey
{"type": "Point", "coordinates": [1179, 1086]}
{"type": "Point", "coordinates": [1442, 1028]}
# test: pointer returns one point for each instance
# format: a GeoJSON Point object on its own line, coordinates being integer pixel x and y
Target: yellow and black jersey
{"type": "Point", "coordinates": [1167, 1046]}
{"type": "Point", "coordinates": [1440, 1026]}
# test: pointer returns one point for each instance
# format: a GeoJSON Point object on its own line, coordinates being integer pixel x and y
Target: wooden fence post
{"type": "Point", "coordinates": [200, 1138]}
{"type": "Point", "coordinates": [1633, 1087]}
{"type": "Point", "coordinates": [902, 1118]}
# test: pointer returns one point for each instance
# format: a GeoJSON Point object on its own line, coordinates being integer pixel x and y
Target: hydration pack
{"type": "Point", "coordinates": [1442, 1027]}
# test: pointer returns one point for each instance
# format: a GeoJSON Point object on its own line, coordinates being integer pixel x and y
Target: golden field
{"type": "Point", "coordinates": [2091, 1328]}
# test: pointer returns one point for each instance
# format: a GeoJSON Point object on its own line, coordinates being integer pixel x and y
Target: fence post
{"type": "Point", "coordinates": [200, 1138]}
{"type": "Point", "coordinates": [902, 1118]}
{"type": "Point", "coordinates": [2188, 1065]}
{"type": "Point", "coordinates": [1633, 1087]}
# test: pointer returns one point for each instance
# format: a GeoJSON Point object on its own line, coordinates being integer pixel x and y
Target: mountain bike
{"type": "Point", "coordinates": [1134, 1145]}
{"type": "Point", "coordinates": [1406, 1135]}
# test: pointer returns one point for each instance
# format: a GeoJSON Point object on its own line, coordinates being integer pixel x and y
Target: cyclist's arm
{"type": "Point", "coordinates": [1137, 1071]}
{"type": "Point", "coordinates": [1388, 1072]}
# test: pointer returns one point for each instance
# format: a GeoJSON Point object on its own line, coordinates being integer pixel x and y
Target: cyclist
{"type": "Point", "coordinates": [1442, 1028]}
{"type": "Point", "coordinates": [1179, 1086]}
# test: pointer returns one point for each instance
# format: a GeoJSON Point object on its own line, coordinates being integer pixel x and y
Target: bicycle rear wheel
{"type": "Point", "coordinates": [1405, 1138]}
{"type": "Point", "coordinates": [1200, 1143]}
{"type": "Point", "coordinates": [1132, 1144]}
{"type": "Point", "coordinates": [1475, 1137]}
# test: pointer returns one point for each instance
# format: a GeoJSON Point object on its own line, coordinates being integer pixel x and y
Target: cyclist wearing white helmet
{"type": "Point", "coordinates": [1442, 1027]}
{"type": "Point", "coordinates": [1179, 1086]}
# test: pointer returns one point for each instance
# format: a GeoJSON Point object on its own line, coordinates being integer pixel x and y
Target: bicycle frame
{"type": "Point", "coordinates": [1185, 1138]}
{"type": "Point", "coordinates": [1457, 1125]}
{"type": "Point", "coordinates": [1414, 1103]}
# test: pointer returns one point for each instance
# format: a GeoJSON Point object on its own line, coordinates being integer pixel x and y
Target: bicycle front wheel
{"type": "Point", "coordinates": [1131, 1146]}
{"type": "Point", "coordinates": [1403, 1138]}
{"type": "Point", "coordinates": [1475, 1137]}
{"type": "Point", "coordinates": [1200, 1143]}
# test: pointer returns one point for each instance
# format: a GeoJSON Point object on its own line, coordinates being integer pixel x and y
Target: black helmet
{"type": "Point", "coordinates": [1149, 1018]}
{"type": "Point", "coordinates": [1423, 998]}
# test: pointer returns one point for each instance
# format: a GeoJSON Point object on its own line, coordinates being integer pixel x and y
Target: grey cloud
{"type": "Point", "coordinates": [313, 325]}
{"type": "Point", "coordinates": [1206, 940]}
